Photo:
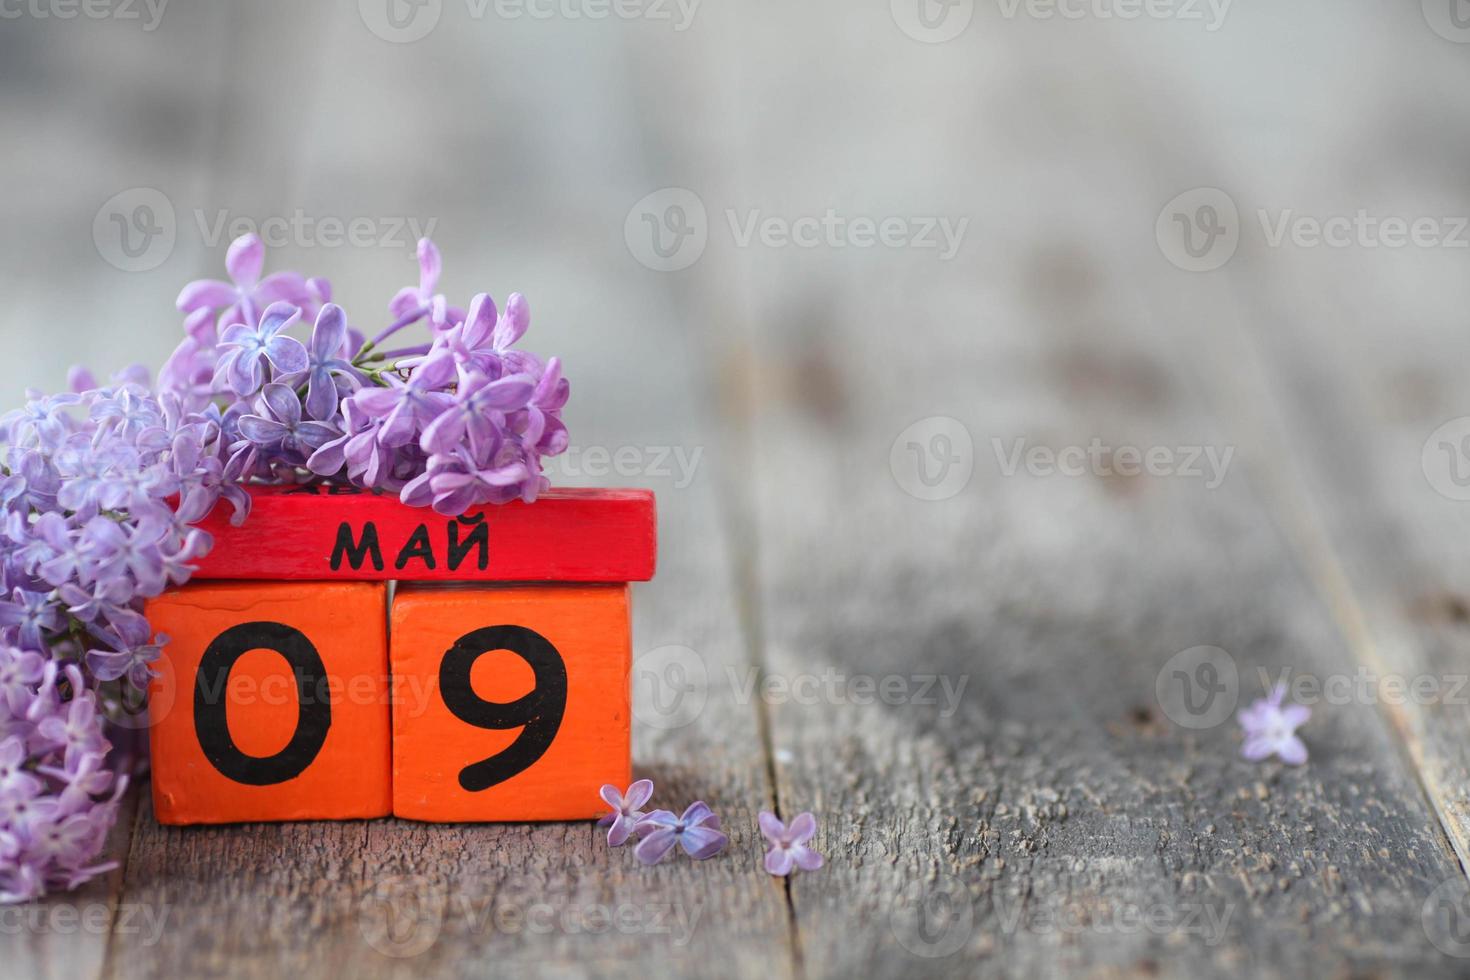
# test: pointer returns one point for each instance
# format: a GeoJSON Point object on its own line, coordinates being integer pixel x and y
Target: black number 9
{"type": "Point", "coordinates": [540, 711]}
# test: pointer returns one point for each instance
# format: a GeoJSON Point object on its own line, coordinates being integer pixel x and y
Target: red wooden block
{"type": "Point", "coordinates": [272, 702]}
{"type": "Point", "coordinates": [343, 533]}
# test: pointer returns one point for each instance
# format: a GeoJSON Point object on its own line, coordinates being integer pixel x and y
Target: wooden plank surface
{"type": "Point", "coordinates": [964, 689]}
{"type": "Point", "coordinates": [1056, 808]}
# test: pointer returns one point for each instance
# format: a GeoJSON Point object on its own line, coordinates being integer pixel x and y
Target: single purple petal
{"type": "Point", "coordinates": [702, 843]}
{"type": "Point", "coordinates": [696, 813]}
{"type": "Point", "coordinates": [321, 395]}
{"type": "Point", "coordinates": [508, 393]}
{"type": "Point", "coordinates": [771, 827]}
{"type": "Point", "coordinates": [282, 403]}
{"type": "Point", "coordinates": [206, 294]}
{"type": "Point", "coordinates": [244, 260]}
{"type": "Point", "coordinates": [418, 492]}
{"type": "Point", "coordinates": [806, 858]}
{"type": "Point", "coordinates": [513, 324]}
{"type": "Point", "coordinates": [404, 302]}
{"type": "Point", "coordinates": [237, 334]}
{"type": "Point", "coordinates": [243, 371]}
{"type": "Point", "coordinates": [655, 847]}
{"type": "Point", "coordinates": [779, 861]}
{"type": "Point", "coordinates": [430, 265]}
{"type": "Point", "coordinates": [329, 333]}
{"type": "Point", "coordinates": [658, 818]}
{"type": "Point", "coordinates": [377, 402]}
{"type": "Point", "coordinates": [455, 501]}
{"type": "Point", "coordinates": [621, 830]}
{"type": "Point", "coordinates": [444, 433]}
{"type": "Point", "coordinates": [287, 354]}
{"type": "Point", "coordinates": [638, 794]}
{"type": "Point", "coordinates": [802, 828]}
{"type": "Point", "coordinates": [79, 379]}
{"type": "Point", "coordinates": [314, 435]}
{"type": "Point", "coordinates": [287, 286]}
{"type": "Point", "coordinates": [1257, 747]}
{"type": "Point", "coordinates": [479, 323]}
{"type": "Point", "coordinates": [611, 796]}
{"type": "Point", "coordinates": [505, 476]}
{"type": "Point", "coordinates": [329, 459]}
{"type": "Point", "coordinates": [262, 431]}
{"type": "Point", "coordinates": [277, 317]}
{"type": "Point", "coordinates": [1293, 751]}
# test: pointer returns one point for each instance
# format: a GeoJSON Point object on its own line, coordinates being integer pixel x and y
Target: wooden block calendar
{"type": "Point", "coordinates": [492, 686]}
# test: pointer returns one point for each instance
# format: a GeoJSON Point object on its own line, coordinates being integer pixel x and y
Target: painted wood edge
{"type": "Point", "coordinates": [318, 533]}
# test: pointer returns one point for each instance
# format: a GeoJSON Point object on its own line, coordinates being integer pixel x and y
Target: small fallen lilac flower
{"type": "Point", "coordinates": [789, 848]}
{"type": "Point", "coordinates": [697, 831]}
{"type": "Point", "coordinates": [627, 809]}
{"type": "Point", "coordinates": [1270, 729]}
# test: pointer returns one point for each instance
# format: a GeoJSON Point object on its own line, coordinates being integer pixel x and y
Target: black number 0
{"type": "Point", "coordinates": [212, 725]}
{"type": "Point", "coordinates": [540, 711]}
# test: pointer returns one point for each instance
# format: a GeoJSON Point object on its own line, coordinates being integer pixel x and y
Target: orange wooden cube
{"type": "Point", "coordinates": [511, 702]}
{"type": "Point", "coordinates": [272, 702]}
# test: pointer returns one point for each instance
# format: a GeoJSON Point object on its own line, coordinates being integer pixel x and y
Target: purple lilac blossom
{"type": "Point", "coordinates": [627, 809]}
{"type": "Point", "coordinates": [100, 487]}
{"type": "Point", "coordinates": [697, 830]}
{"type": "Point", "coordinates": [1270, 729]}
{"type": "Point", "coordinates": [789, 845]}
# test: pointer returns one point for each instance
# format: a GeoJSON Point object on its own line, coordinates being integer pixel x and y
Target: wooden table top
{"type": "Point", "coordinates": [933, 521]}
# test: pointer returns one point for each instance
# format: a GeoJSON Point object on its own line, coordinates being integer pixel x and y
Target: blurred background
{"type": "Point", "coordinates": [1026, 342]}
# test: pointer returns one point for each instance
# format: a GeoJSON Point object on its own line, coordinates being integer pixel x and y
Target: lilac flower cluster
{"type": "Point", "coordinates": [100, 489]}
{"type": "Point", "coordinates": [456, 422]}
{"type": "Point", "coordinates": [97, 492]}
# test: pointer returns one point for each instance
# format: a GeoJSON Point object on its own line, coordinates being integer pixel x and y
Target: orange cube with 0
{"type": "Point", "coordinates": [272, 702]}
{"type": "Point", "coordinates": [511, 702]}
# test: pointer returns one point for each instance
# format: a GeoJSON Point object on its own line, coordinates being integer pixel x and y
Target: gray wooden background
{"type": "Point", "coordinates": [973, 692]}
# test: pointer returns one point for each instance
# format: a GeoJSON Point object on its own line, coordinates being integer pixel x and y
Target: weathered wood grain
{"type": "Point", "coordinates": [1366, 481]}
{"type": "Point", "coordinates": [1056, 786]}
{"type": "Point", "coordinates": [1056, 797]}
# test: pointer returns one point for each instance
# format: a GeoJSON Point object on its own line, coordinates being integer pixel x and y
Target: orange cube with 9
{"type": "Point", "coordinates": [272, 702]}
{"type": "Point", "coordinates": [510, 702]}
